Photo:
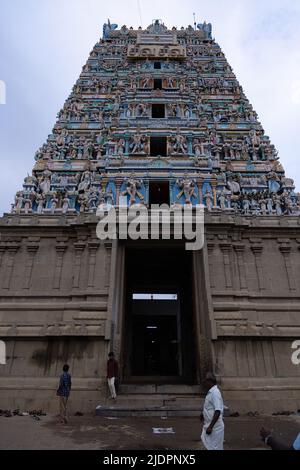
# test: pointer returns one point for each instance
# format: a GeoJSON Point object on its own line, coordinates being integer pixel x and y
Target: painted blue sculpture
{"type": "Point", "coordinates": [107, 28]}
{"type": "Point", "coordinates": [206, 28]}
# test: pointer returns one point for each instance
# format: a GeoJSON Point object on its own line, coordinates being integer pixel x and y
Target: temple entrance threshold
{"type": "Point", "coordinates": [159, 325]}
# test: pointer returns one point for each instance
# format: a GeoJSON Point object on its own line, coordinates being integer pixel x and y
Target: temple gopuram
{"type": "Point", "coordinates": [156, 117]}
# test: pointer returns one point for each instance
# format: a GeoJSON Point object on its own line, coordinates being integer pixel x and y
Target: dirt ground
{"type": "Point", "coordinates": [98, 433]}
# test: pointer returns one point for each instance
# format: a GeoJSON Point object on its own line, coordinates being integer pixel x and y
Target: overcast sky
{"type": "Point", "coordinates": [44, 44]}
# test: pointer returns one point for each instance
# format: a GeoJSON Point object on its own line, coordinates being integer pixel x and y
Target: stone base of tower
{"type": "Point", "coordinates": [66, 297]}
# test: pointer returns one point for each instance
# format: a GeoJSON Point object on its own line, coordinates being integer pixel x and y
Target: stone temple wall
{"type": "Point", "coordinates": [254, 278]}
{"type": "Point", "coordinates": [54, 290]}
{"type": "Point", "coordinates": [58, 285]}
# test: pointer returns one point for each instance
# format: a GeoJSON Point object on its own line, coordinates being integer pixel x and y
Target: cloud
{"type": "Point", "coordinates": [295, 94]}
{"type": "Point", "coordinates": [2, 92]}
{"type": "Point", "coordinates": [45, 44]}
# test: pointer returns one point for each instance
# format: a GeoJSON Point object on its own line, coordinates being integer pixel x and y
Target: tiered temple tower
{"type": "Point", "coordinates": [156, 117]}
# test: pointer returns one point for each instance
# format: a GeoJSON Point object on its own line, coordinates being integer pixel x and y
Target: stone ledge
{"type": "Point", "coordinates": [231, 384]}
{"type": "Point", "coordinates": [49, 383]}
{"type": "Point", "coordinates": [36, 221]}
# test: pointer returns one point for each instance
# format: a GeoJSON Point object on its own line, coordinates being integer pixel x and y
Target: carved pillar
{"type": "Point", "coordinates": [257, 251]}
{"type": "Point", "coordinates": [60, 251]}
{"type": "Point", "coordinates": [199, 184]}
{"type": "Point", "coordinates": [240, 249]}
{"type": "Point", "coordinates": [2, 251]}
{"type": "Point", "coordinates": [190, 144]}
{"type": "Point", "coordinates": [226, 249]}
{"type": "Point", "coordinates": [286, 253]}
{"type": "Point", "coordinates": [127, 143]}
{"type": "Point", "coordinates": [214, 188]}
{"type": "Point", "coordinates": [108, 249]}
{"type": "Point", "coordinates": [31, 252]}
{"type": "Point", "coordinates": [210, 249]}
{"type": "Point", "coordinates": [104, 184]}
{"type": "Point", "coordinates": [119, 183]}
{"type": "Point", "coordinates": [79, 249]}
{"type": "Point", "coordinates": [12, 251]}
{"type": "Point", "coordinates": [93, 248]}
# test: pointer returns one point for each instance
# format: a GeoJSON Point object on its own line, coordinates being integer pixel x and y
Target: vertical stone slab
{"type": "Point", "coordinates": [79, 248]}
{"type": "Point", "coordinates": [239, 250]}
{"type": "Point", "coordinates": [226, 250]}
{"type": "Point", "coordinates": [93, 248]}
{"type": "Point", "coordinates": [210, 251]}
{"type": "Point", "coordinates": [2, 251]}
{"type": "Point", "coordinates": [60, 251]}
{"type": "Point", "coordinates": [32, 249]}
{"type": "Point", "coordinates": [285, 250]}
{"type": "Point", "coordinates": [257, 252]}
{"type": "Point", "coordinates": [108, 249]}
{"type": "Point", "coordinates": [12, 250]}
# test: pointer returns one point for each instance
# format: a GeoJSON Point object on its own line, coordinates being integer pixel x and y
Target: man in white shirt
{"type": "Point", "coordinates": [213, 428]}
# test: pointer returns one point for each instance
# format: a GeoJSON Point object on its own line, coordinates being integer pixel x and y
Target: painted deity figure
{"type": "Point", "coordinates": [142, 110]}
{"type": "Point", "coordinates": [255, 138]}
{"type": "Point", "coordinates": [85, 181]}
{"type": "Point", "coordinates": [130, 111]}
{"type": "Point", "coordinates": [120, 147]}
{"type": "Point", "coordinates": [54, 203]}
{"type": "Point", "coordinates": [188, 189]}
{"type": "Point", "coordinates": [178, 144]}
{"type": "Point", "coordinates": [171, 82]}
{"type": "Point", "coordinates": [133, 186]}
{"type": "Point", "coordinates": [187, 111]}
{"type": "Point", "coordinates": [277, 203]}
{"type": "Point", "coordinates": [270, 205]}
{"type": "Point", "coordinates": [146, 82]}
{"type": "Point", "coordinates": [110, 198]}
{"type": "Point", "coordinates": [40, 201]}
{"type": "Point", "coordinates": [233, 186]}
{"type": "Point", "coordinates": [208, 197]}
{"type": "Point", "coordinates": [138, 144]}
{"type": "Point", "coordinates": [263, 206]}
{"type": "Point", "coordinates": [45, 184]}
{"type": "Point", "coordinates": [92, 199]}
{"type": "Point", "coordinates": [288, 204]}
{"type": "Point", "coordinates": [62, 136]}
{"type": "Point", "coordinates": [173, 110]}
{"type": "Point", "coordinates": [246, 205]}
{"type": "Point", "coordinates": [27, 205]}
{"type": "Point", "coordinates": [273, 182]}
{"type": "Point", "coordinates": [65, 204]}
{"type": "Point", "coordinates": [223, 199]}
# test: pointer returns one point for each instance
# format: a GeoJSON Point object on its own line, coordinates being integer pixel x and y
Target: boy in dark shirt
{"type": "Point", "coordinates": [112, 374]}
{"type": "Point", "coordinates": [63, 392]}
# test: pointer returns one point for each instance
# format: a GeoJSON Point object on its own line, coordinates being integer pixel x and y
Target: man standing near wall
{"type": "Point", "coordinates": [213, 428]}
{"type": "Point", "coordinates": [112, 374]}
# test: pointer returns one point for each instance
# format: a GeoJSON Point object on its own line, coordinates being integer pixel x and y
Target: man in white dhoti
{"type": "Point", "coordinates": [213, 428]}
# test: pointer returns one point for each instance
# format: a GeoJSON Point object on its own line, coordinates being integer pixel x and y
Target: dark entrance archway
{"type": "Point", "coordinates": [159, 325]}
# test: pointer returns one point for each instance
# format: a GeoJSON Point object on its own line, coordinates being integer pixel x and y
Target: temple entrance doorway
{"type": "Point", "coordinates": [159, 340]}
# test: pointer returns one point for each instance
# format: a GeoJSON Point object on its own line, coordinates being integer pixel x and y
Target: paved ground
{"type": "Point", "coordinates": [98, 433]}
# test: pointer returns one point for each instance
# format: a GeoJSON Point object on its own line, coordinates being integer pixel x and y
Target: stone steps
{"type": "Point", "coordinates": [153, 400]}
{"type": "Point", "coordinates": [177, 389]}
